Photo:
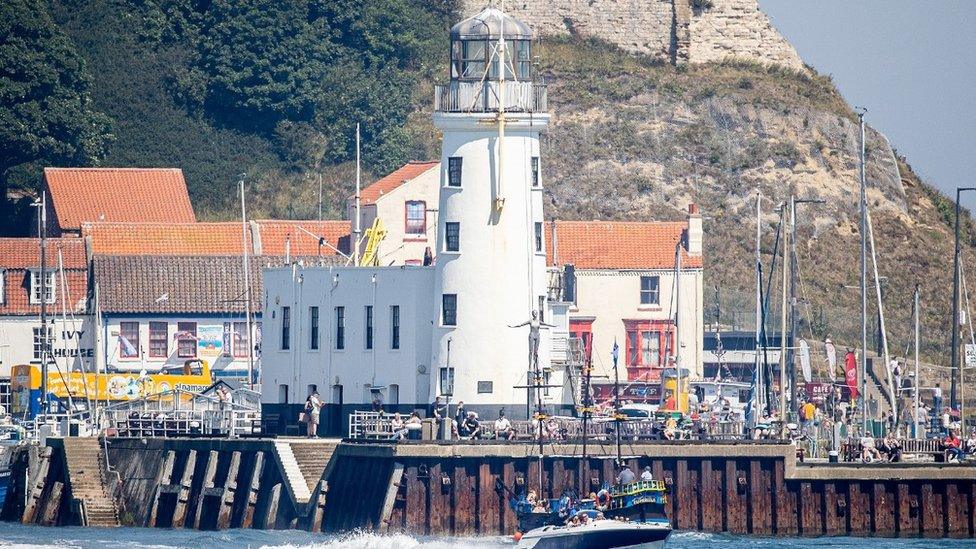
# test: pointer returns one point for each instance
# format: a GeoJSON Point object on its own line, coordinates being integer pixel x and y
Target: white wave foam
{"type": "Point", "coordinates": [366, 540]}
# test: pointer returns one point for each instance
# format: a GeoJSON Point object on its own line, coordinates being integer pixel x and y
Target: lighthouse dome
{"type": "Point", "coordinates": [488, 24]}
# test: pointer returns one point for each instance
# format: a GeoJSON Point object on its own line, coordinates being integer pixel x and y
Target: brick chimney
{"type": "Point", "coordinates": [694, 241]}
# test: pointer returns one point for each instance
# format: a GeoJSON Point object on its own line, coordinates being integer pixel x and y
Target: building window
{"type": "Point", "coordinates": [369, 326]}
{"type": "Point", "coordinates": [186, 339]}
{"type": "Point", "coordinates": [35, 287]}
{"type": "Point", "coordinates": [647, 347]}
{"type": "Point", "coordinates": [485, 387]}
{"type": "Point", "coordinates": [129, 339]}
{"type": "Point", "coordinates": [651, 349]}
{"type": "Point", "coordinates": [39, 343]}
{"type": "Point", "coordinates": [228, 336]}
{"type": "Point", "coordinates": [538, 237]}
{"type": "Point", "coordinates": [535, 171]}
{"type": "Point", "coordinates": [158, 339]}
{"type": "Point", "coordinates": [650, 292]}
{"type": "Point", "coordinates": [283, 394]}
{"type": "Point", "coordinates": [449, 302]}
{"type": "Point", "coordinates": [452, 231]}
{"type": "Point", "coordinates": [285, 328]}
{"type": "Point", "coordinates": [542, 308]}
{"type": "Point", "coordinates": [313, 315]}
{"type": "Point", "coordinates": [242, 340]}
{"type": "Point", "coordinates": [340, 336]}
{"type": "Point", "coordinates": [395, 327]}
{"type": "Point", "coordinates": [416, 217]}
{"type": "Point", "coordinates": [454, 171]}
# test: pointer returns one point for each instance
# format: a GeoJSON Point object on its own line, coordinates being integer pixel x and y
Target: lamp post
{"type": "Point", "coordinates": [955, 306]}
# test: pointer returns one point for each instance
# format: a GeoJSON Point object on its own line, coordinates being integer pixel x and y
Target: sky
{"type": "Point", "coordinates": [911, 63]}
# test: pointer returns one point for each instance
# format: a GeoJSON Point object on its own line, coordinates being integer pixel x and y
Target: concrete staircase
{"type": "Point", "coordinates": [302, 463]}
{"type": "Point", "coordinates": [86, 471]}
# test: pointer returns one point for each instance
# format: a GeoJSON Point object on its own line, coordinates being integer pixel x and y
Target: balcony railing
{"type": "Point", "coordinates": [460, 96]}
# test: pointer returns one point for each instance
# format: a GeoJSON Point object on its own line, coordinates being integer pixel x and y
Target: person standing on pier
{"type": "Point", "coordinates": [313, 405]}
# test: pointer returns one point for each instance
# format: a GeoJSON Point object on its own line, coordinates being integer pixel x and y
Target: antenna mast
{"type": "Point", "coordinates": [247, 289]}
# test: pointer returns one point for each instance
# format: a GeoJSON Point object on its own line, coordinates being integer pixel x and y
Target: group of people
{"type": "Point", "coordinates": [466, 425]}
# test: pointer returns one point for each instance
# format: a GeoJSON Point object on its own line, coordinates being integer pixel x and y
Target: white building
{"type": "Point", "coordinates": [396, 332]}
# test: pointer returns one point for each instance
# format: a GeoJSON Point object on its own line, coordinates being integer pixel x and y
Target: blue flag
{"type": "Point", "coordinates": [616, 352]}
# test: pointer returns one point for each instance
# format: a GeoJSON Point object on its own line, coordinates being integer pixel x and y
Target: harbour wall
{"type": "Point", "coordinates": [463, 489]}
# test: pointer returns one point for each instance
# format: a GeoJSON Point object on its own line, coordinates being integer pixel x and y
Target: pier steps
{"type": "Point", "coordinates": [303, 462]}
{"type": "Point", "coordinates": [86, 471]}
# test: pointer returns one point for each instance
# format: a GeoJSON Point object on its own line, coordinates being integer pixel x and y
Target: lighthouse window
{"type": "Point", "coordinates": [416, 215]}
{"type": "Point", "coordinates": [450, 309]}
{"type": "Point", "coordinates": [473, 56]}
{"type": "Point", "coordinates": [538, 237]}
{"type": "Point", "coordinates": [535, 171]}
{"type": "Point", "coordinates": [452, 236]}
{"type": "Point", "coordinates": [650, 290]}
{"type": "Point", "coordinates": [454, 171]}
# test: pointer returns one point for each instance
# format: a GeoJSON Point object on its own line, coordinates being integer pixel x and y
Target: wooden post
{"type": "Point", "coordinates": [36, 489]}
{"type": "Point", "coordinates": [318, 506]}
{"type": "Point", "coordinates": [229, 491]}
{"type": "Point", "coordinates": [50, 515]}
{"type": "Point", "coordinates": [908, 511]}
{"type": "Point", "coordinates": [883, 511]}
{"type": "Point", "coordinates": [183, 493]}
{"type": "Point", "coordinates": [208, 482]}
{"type": "Point", "coordinates": [392, 489]}
{"type": "Point", "coordinates": [271, 513]}
{"type": "Point", "coordinates": [247, 519]}
{"type": "Point", "coordinates": [163, 478]}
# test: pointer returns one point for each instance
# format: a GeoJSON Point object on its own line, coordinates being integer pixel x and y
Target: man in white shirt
{"type": "Point", "coordinates": [646, 475]}
{"type": "Point", "coordinates": [503, 427]}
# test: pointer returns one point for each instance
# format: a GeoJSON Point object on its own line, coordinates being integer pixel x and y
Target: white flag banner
{"type": "Point", "coordinates": [805, 361]}
{"type": "Point", "coordinates": [831, 358]}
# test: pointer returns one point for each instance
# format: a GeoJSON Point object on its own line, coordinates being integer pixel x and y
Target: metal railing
{"type": "Point", "coordinates": [459, 96]}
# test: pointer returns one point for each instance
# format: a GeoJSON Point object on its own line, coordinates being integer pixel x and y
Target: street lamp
{"type": "Point", "coordinates": [955, 306]}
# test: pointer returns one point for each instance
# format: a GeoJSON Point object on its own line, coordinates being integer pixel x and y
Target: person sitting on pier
{"type": "Point", "coordinates": [470, 427]}
{"type": "Point", "coordinates": [869, 452]}
{"type": "Point", "coordinates": [503, 427]}
{"type": "Point", "coordinates": [891, 447]}
{"type": "Point", "coordinates": [670, 428]}
{"type": "Point", "coordinates": [398, 428]}
{"type": "Point", "coordinates": [953, 445]}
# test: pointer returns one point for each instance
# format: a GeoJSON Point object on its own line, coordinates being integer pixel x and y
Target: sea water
{"type": "Point", "coordinates": [16, 536]}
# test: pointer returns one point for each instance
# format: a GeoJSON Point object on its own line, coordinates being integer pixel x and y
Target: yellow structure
{"type": "Point", "coordinates": [374, 235]}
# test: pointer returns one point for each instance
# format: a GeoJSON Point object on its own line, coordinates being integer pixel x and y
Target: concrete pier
{"type": "Point", "coordinates": [463, 489]}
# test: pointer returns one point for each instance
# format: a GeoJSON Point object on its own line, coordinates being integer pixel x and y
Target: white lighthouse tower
{"type": "Point", "coordinates": [491, 261]}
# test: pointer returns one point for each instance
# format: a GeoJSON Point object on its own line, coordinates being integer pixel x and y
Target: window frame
{"type": "Point", "coordinates": [154, 341]}
{"type": "Point", "coordinates": [409, 225]}
{"type": "Point", "coordinates": [368, 325]}
{"type": "Point", "coordinates": [652, 295]}
{"type": "Point", "coordinates": [637, 368]}
{"type": "Point", "coordinates": [539, 232]}
{"type": "Point", "coordinates": [455, 167]}
{"type": "Point", "coordinates": [452, 298]}
{"type": "Point", "coordinates": [313, 331]}
{"type": "Point", "coordinates": [38, 342]}
{"type": "Point", "coordinates": [241, 339]}
{"type": "Point", "coordinates": [285, 343]}
{"type": "Point", "coordinates": [394, 326]}
{"type": "Point", "coordinates": [228, 346]}
{"type": "Point", "coordinates": [456, 225]}
{"type": "Point", "coordinates": [185, 327]}
{"type": "Point", "coordinates": [340, 326]}
{"type": "Point", "coordinates": [535, 171]}
{"type": "Point", "coordinates": [125, 328]}
{"type": "Point", "coordinates": [35, 295]}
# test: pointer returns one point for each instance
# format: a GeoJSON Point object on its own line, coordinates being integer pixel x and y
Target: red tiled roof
{"type": "Point", "coordinates": [618, 244]}
{"type": "Point", "coordinates": [387, 184]}
{"type": "Point", "coordinates": [18, 256]}
{"type": "Point", "coordinates": [25, 253]}
{"type": "Point", "coordinates": [274, 233]}
{"type": "Point", "coordinates": [222, 238]}
{"type": "Point", "coordinates": [118, 194]}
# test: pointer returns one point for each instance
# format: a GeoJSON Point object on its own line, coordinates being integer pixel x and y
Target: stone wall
{"type": "Point", "coordinates": [670, 30]}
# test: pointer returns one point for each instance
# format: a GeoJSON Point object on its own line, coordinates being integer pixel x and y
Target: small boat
{"type": "Point", "coordinates": [597, 533]}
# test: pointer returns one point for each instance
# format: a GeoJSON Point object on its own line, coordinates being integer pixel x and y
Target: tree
{"type": "Point", "coordinates": [46, 112]}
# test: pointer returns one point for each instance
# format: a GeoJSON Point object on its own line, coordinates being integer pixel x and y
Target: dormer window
{"type": "Point", "coordinates": [35, 287]}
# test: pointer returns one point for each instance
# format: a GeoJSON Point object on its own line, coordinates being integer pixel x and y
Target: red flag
{"type": "Point", "coordinates": [850, 369]}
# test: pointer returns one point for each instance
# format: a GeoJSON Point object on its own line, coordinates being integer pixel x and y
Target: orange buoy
{"type": "Point", "coordinates": [517, 536]}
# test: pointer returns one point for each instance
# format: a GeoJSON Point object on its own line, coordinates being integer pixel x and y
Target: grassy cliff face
{"type": "Point", "coordinates": [638, 140]}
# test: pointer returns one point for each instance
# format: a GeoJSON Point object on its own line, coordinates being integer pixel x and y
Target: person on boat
{"type": "Point", "coordinates": [503, 427]}
{"type": "Point", "coordinates": [647, 475]}
{"type": "Point", "coordinates": [626, 476]}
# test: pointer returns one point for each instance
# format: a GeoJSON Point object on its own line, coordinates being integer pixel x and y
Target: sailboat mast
{"type": "Point", "coordinates": [782, 332]}
{"type": "Point", "coordinates": [757, 397]}
{"type": "Point", "coordinates": [917, 338]}
{"type": "Point", "coordinates": [616, 399]}
{"type": "Point", "coordinates": [357, 228]}
{"type": "Point", "coordinates": [500, 197]}
{"type": "Point", "coordinates": [45, 405]}
{"type": "Point", "coordinates": [247, 290]}
{"type": "Point", "coordinates": [864, 278]}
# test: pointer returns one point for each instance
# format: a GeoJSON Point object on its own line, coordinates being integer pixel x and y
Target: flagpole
{"type": "Point", "coordinates": [616, 398]}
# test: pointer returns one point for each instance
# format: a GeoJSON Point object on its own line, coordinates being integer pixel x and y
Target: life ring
{"type": "Point", "coordinates": [603, 499]}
